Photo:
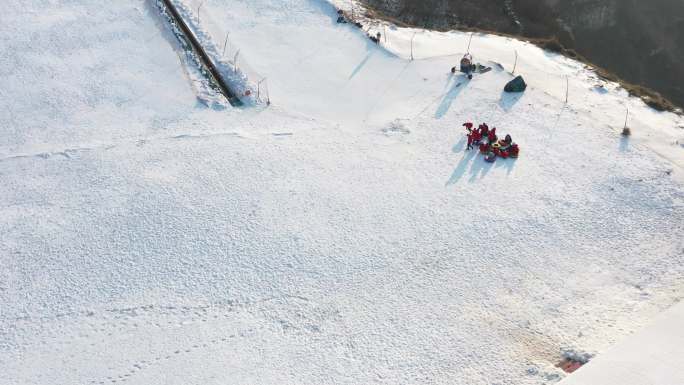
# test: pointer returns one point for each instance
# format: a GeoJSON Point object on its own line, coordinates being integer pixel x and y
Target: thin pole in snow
{"type": "Point", "coordinates": [626, 117]}
{"type": "Point", "coordinates": [516, 62]}
{"type": "Point", "coordinates": [626, 131]}
{"type": "Point", "coordinates": [198, 11]}
{"type": "Point", "coordinates": [225, 44]}
{"type": "Point", "coordinates": [268, 99]}
{"type": "Point", "coordinates": [414, 35]}
{"type": "Point", "coordinates": [567, 89]}
{"type": "Point", "coordinates": [469, 41]}
{"type": "Point", "coordinates": [259, 89]}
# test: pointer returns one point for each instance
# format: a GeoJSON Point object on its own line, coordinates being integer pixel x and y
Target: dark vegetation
{"type": "Point", "coordinates": [637, 43]}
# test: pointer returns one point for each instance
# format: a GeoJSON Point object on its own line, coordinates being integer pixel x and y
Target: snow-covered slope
{"type": "Point", "coordinates": [341, 235]}
{"type": "Point", "coordinates": [371, 86]}
{"type": "Point", "coordinates": [651, 356]}
{"type": "Point", "coordinates": [81, 74]}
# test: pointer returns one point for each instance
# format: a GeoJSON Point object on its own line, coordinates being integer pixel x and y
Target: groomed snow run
{"type": "Point", "coordinates": [151, 234]}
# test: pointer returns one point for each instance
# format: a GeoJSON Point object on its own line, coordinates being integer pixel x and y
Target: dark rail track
{"type": "Point", "coordinates": [201, 53]}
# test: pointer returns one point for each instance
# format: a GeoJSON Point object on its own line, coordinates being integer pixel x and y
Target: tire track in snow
{"type": "Point", "coordinates": [70, 153]}
{"type": "Point", "coordinates": [199, 346]}
{"type": "Point", "coordinates": [190, 332]}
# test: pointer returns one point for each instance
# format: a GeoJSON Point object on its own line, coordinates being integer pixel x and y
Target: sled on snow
{"type": "Point", "coordinates": [473, 69]}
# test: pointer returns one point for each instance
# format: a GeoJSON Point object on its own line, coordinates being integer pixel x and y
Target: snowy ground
{"type": "Point", "coordinates": [150, 239]}
{"type": "Point", "coordinates": [650, 356]}
{"type": "Point", "coordinates": [557, 77]}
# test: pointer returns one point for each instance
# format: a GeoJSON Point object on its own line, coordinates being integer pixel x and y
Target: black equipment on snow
{"type": "Point", "coordinates": [516, 85]}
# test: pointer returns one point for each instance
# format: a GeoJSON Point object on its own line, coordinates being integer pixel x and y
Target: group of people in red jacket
{"type": "Point", "coordinates": [489, 144]}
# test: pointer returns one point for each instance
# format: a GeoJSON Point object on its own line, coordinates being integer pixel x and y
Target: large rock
{"type": "Point", "coordinates": [516, 85]}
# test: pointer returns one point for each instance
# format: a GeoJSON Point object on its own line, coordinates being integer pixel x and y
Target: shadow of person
{"type": "Point", "coordinates": [460, 170]}
{"type": "Point", "coordinates": [480, 169]}
{"type": "Point", "coordinates": [449, 79]}
{"type": "Point", "coordinates": [360, 65]}
{"type": "Point", "coordinates": [624, 144]}
{"type": "Point", "coordinates": [449, 97]}
{"type": "Point", "coordinates": [460, 146]}
{"type": "Point", "coordinates": [508, 164]}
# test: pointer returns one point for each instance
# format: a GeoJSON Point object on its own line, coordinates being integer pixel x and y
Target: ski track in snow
{"type": "Point", "coordinates": [341, 235]}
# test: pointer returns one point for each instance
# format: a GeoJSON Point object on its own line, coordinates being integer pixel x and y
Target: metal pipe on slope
{"type": "Point", "coordinates": [199, 50]}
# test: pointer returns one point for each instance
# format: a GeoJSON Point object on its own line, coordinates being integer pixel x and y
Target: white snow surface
{"type": "Point", "coordinates": [342, 235]}
{"type": "Point", "coordinates": [651, 356]}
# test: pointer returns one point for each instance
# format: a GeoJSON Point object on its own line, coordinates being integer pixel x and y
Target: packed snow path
{"type": "Point", "coordinates": [318, 240]}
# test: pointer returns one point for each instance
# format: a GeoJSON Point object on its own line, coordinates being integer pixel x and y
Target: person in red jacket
{"type": "Point", "coordinates": [468, 126]}
{"type": "Point", "coordinates": [477, 137]}
{"type": "Point", "coordinates": [484, 130]}
{"type": "Point", "coordinates": [470, 140]}
{"type": "Point", "coordinates": [492, 135]}
{"type": "Point", "coordinates": [514, 151]}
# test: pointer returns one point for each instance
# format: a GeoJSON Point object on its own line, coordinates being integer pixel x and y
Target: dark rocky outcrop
{"type": "Point", "coordinates": [641, 42]}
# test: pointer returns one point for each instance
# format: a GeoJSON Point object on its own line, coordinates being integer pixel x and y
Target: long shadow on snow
{"type": "Point", "coordinates": [624, 144]}
{"type": "Point", "coordinates": [508, 164]}
{"type": "Point", "coordinates": [461, 168]}
{"type": "Point", "coordinates": [371, 50]}
{"type": "Point", "coordinates": [458, 87]}
{"type": "Point", "coordinates": [509, 100]}
{"type": "Point", "coordinates": [460, 146]}
{"type": "Point", "coordinates": [360, 65]}
{"type": "Point", "coordinates": [480, 168]}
